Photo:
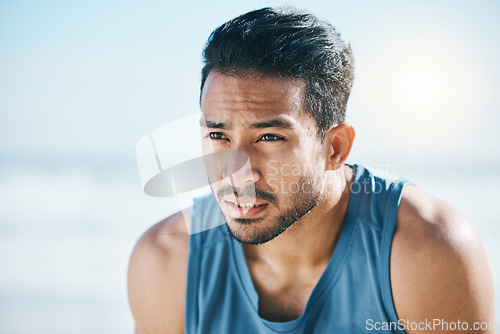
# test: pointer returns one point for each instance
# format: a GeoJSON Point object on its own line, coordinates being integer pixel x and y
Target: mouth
{"type": "Point", "coordinates": [244, 207]}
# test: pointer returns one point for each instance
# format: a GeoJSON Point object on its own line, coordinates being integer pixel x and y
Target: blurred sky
{"type": "Point", "coordinates": [85, 79]}
{"type": "Point", "coordinates": [82, 81]}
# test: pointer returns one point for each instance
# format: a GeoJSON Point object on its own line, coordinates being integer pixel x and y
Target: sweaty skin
{"type": "Point", "coordinates": [438, 266]}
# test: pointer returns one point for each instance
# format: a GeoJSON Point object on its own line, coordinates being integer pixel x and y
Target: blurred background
{"type": "Point", "coordinates": [82, 81]}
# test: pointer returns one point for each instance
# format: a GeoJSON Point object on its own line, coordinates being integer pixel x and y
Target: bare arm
{"type": "Point", "coordinates": [157, 278]}
{"type": "Point", "coordinates": [439, 271]}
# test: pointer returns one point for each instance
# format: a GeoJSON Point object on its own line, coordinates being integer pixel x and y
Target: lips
{"type": "Point", "coordinates": [244, 207]}
{"type": "Point", "coordinates": [244, 201]}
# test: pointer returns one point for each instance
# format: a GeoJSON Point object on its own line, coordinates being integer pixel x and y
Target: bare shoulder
{"type": "Point", "coordinates": [157, 277]}
{"type": "Point", "coordinates": [438, 266]}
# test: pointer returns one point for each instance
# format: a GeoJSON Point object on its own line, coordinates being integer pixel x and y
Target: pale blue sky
{"type": "Point", "coordinates": [86, 79]}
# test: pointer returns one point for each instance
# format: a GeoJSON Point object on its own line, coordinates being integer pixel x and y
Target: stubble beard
{"type": "Point", "coordinates": [301, 204]}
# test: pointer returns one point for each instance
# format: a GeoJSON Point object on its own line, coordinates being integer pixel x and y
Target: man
{"type": "Point", "coordinates": [310, 244]}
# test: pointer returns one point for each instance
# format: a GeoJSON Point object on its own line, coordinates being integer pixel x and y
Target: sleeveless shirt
{"type": "Point", "coordinates": [353, 295]}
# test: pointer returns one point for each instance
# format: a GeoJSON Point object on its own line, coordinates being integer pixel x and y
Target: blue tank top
{"type": "Point", "coordinates": [353, 295]}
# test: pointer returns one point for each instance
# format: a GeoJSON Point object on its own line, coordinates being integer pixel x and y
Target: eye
{"type": "Point", "coordinates": [270, 137]}
{"type": "Point", "coordinates": [217, 136]}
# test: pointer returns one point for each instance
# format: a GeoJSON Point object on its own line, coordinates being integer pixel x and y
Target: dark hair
{"type": "Point", "coordinates": [287, 43]}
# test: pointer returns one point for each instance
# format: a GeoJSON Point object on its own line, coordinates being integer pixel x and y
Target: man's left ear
{"type": "Point", "coordinates": [337, 145]}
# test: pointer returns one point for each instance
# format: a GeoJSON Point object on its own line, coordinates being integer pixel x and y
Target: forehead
{"type": "Point", "coordinates": [252, 96]}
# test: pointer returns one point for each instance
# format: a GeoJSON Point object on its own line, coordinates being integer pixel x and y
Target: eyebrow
{"type": "Point", "coordinates": [273, 123]}
{"type": "Point", "coordinates": [204, 123]}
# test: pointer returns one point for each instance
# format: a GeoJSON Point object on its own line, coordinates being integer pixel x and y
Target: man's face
{"type": "Point", "coordinates": [262, 118]}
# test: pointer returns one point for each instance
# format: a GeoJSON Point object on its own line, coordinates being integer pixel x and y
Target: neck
{"type": "Point", "coordinates": [312, 239]}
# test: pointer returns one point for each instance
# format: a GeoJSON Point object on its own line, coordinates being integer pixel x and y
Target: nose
{"type": "Point", "coordinates": [237, 169]}
{"type": "Point", "coordinates": [231, 166]}
{"type": "Point", "coordinates": [238, 175]}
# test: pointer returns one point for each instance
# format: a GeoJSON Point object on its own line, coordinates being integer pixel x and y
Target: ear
{"type": "Point", "coordinates": [337, 145]}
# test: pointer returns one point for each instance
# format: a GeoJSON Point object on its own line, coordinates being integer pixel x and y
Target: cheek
{"type": "Point", "coordinates": [284, 176]}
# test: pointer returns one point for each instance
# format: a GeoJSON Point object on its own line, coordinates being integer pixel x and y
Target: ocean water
{"type": "Point", "coordinates": [66, 235]}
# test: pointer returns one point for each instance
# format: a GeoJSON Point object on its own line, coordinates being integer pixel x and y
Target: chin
{"type": "Point", "coordinates": [256, 231]}
{"type": "Point", "coordinates": [247, 231]}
